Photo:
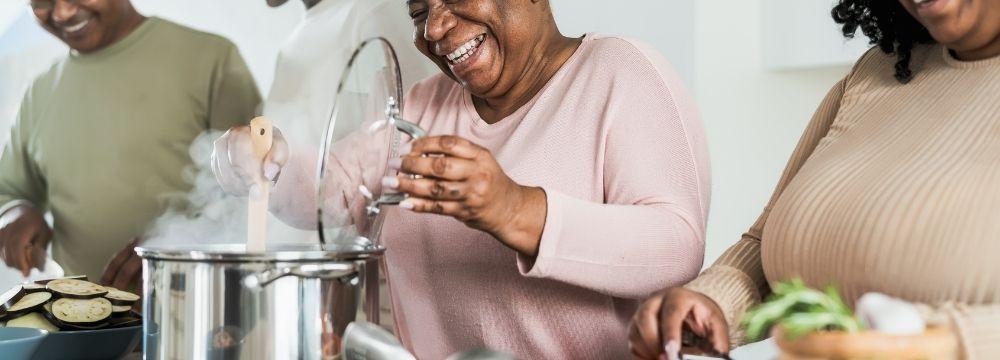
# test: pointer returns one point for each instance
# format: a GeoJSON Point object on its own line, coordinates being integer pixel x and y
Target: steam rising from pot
{"type": "Point", "coordinates": [206, 214]}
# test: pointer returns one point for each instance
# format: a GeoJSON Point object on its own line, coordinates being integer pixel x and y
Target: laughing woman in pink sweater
{"type": "Point", "coordinates": [573, 180]}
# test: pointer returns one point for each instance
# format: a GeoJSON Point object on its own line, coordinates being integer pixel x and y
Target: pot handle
{"type": "Point", "coordinates": [307, 271]}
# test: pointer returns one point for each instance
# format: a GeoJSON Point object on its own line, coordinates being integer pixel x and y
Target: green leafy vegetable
{"type": "Point", "coordinates": [800, 310]}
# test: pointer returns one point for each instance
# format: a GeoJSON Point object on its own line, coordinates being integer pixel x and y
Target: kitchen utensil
{"type": "Point", "coordinates": [366, 120]}
{"type": "Point", "coordinates": [365, 341]}
{"type": "Point", "coordinates": [220, 302]}
{"type": "Point", "coordinates": [291, 301]}
{"type": "Point", "coordinates": [261, 139]}
{"type": "Point", "coordinates": [20, 343]}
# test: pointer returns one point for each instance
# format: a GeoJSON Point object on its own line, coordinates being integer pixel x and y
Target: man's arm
{"type": "Point", "coordinates": [20, 181]}
{"type": "Point", "coordinates": [24, 235]}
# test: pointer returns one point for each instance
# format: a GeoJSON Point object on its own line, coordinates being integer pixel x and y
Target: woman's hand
{"type": "Point", "coordinates": [463, 180]}
{"type": "Point", "coordinates": [237, 168]}
{"type": "Point", "coordinates": [678, 317]}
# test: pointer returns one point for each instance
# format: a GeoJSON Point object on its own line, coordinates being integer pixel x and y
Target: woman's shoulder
{"type": "Point", "coordinates": [878, 66]}
{"type": "Point", "coordinates": [607, 44]}
{"type": "Point", "coordinates": [627, 58]}
{"type": "Point", "coordinates": [619, 63]}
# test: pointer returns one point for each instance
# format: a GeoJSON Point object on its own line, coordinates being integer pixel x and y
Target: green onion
{"type": "Point", "coordinates": [800, 310]}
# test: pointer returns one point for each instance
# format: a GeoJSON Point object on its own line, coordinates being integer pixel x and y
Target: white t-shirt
{"type": "Point", "coordinates": [308, 71]}
{"type": "Point", "coordinates": [305, 81]}
{"type": "Point", "coordinates": [312, 60]}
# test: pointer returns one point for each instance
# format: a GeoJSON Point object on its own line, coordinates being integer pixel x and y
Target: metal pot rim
{"type": "Point", "coordinates": [237, 253]}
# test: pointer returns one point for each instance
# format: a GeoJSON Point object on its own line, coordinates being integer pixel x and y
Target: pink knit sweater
{"type": "Point", "coordinates": [615, 141]}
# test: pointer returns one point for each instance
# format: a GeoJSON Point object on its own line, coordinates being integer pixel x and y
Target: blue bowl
{"type": "Point", "coordinates": [20, 343]}
{"type": "Point", "coordinates": [89, 344]}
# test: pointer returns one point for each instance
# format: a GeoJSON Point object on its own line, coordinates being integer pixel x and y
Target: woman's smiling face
{"type": "Point", "coordinates": [961, 25]}
{"type": "Point", "coordinates": [482, 44]}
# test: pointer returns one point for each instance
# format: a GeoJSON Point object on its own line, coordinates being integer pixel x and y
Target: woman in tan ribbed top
{"type": "Point", "coordinates": [894, 187]}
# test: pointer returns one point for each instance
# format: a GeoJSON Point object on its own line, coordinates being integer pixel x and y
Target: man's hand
{"type": "Point", "coordinates": [124, 272]}
{"type": "Point", "coordinates": [24, 236]}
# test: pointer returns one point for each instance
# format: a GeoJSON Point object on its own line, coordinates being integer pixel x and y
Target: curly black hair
{"type": "Point", "coordinates": [888, 25]}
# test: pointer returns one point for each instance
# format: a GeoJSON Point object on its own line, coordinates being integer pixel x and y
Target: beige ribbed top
{"type": "Point", "coordinates": [893, 188]}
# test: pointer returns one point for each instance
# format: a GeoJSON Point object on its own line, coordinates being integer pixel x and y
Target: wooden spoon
{"type": "Point", "coordinates": [260, 135]}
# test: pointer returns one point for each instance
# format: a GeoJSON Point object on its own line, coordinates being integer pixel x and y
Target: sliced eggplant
{"type": "Point", "coordinates": [119, 311]}
{"type": "Point", "coordinates": [82, 312]}
{"type": "Point", "coordinates": [71, 327]}
{"type": "Point", "coordinates": [76, 289]}
{"type": "Point", "coordinates": [9, 295]}
{"type": "Point", "coordinates": [10, 298]}
{"type": "Point", "coordinates": [119, 297]}
{"type": "Point", "coordinates": [33, 320]}
{"type": "Point", "coordinates": [32, 287]}
{"type": "Point", "coordinates": [11, 316]}
{"type": "Point", "coordinates": [75, 277]}
{"type": "Point", "coordinates": [28, 303]}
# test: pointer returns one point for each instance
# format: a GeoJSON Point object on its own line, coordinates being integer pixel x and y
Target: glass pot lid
{"type": "Point", "coordinates": [364, 131]}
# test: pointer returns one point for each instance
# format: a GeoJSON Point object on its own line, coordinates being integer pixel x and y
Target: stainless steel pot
{"type": "Point", "coordinates": [218, 302]}
{"type": "Point", "coordinates": [292, 301]}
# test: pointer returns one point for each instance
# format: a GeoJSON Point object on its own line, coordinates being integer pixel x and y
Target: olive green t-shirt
{"type": "Point", "coordinates": [102, 138]}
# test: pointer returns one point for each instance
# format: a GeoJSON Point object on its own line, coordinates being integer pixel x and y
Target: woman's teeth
{"type": "Point", "coordinates": [465, 51]}
{"type": "Point", "coordinates": [921, 2]}
{"type": "Point", "coordinates": [75, 28]}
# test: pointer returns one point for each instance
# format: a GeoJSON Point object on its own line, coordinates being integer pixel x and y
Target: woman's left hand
{"type": "Point", "coordinates": [463, 180]}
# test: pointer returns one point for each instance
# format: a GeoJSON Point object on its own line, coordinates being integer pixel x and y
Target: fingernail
{"type": "Point", "coordinates": [407, 204]}
{"type": "Point", "coordinates": [254, 191]}
{"type": "Point", "coordinates": [271, 171]}
{"type": "Point", "coordinates": [405, 149]}
{"type": "Point", "coordinates": [395, 163]}
{"type": "Point", "coordinates": [390, 182]}
{"type": "Point", "coordinates": [672, 350]}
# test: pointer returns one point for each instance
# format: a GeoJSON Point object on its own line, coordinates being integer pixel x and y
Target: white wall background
{"type": "Point", "coordinates": [754, 112]}
{"type": "Point", "coordinates": [667, 25]}
{"type": "Point", "coordinates": [799, 34]}
{"type": "Point", "coordinates": [754, 103]}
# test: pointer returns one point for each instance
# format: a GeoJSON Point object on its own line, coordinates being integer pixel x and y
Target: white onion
{"type": "Point", "coordinates": [889, 315]}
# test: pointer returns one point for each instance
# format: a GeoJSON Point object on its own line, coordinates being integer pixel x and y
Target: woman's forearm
{"type": "Point", "coordinates": [524, 230]}
{"type": "Point", "coordinates": [627, 251]}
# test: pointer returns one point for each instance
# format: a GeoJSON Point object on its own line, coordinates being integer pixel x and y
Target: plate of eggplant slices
{"type": "Point", "coordinates": [84, 320]}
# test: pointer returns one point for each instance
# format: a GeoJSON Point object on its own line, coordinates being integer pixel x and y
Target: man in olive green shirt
{"type": "Point", "coordinates": [103, 136]}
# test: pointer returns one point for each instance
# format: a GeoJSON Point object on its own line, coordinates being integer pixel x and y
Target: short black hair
{"type": "Point", "coordinates": [888, 25]}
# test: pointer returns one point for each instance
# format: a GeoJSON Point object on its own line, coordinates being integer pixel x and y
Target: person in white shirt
{"type": "Point", "coordinates": [312, 59]}
{"type": "Point", "coordinates": [309, 67]}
